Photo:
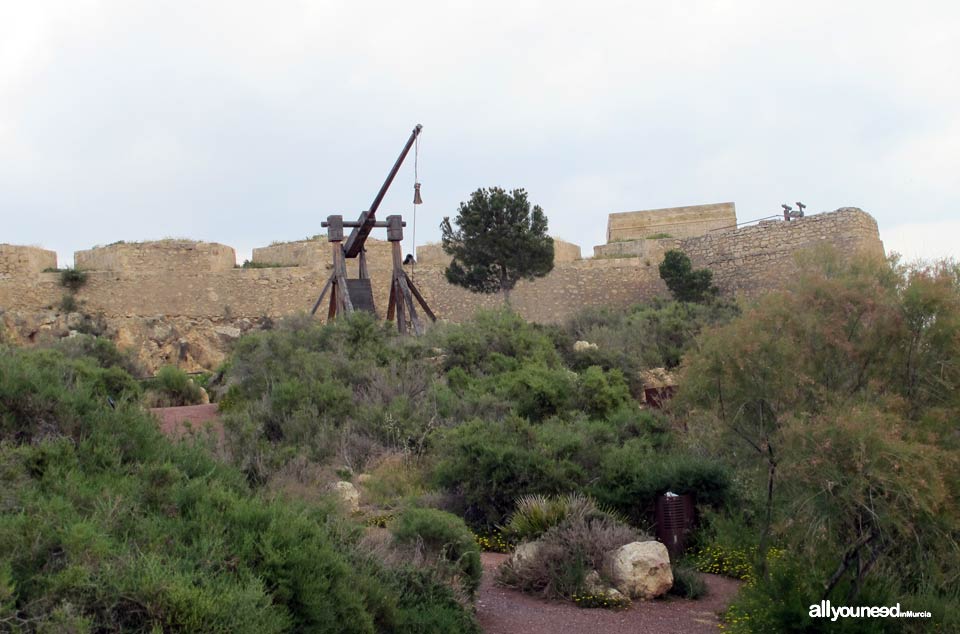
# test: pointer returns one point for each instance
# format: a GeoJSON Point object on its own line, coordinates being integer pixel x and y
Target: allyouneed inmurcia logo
{"type": "Point", "coordinates": [824, 610]}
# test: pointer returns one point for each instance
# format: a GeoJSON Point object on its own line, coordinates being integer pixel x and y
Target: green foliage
{"type": "Point", "coordinates": [172, 387]}
{"type": "Point", "coordinates": [494, 542]}
{"type": "Point", "coordinates": [73, 279]}
{"type": "Point", "coordinates": [499, 240]}
{"type": "Point", "coordinates": [782, 605]}
{"type": "Point", "coordinates": [249, 264]}
{"type": "Point", "coordinates": [445, 535]}
{"type": "Point", "coordinates": [558, 564]}
{"type": "Point", "coordinates": [106, 526]}
{"type": "Point", "coordinates": [492, 464]}
{"type": "Point", "coordinates": [645, 336]}
{"type": "Point", "coordinates": [352, 387]}
{"type": "Point", "coordinates": [631, 477]}
{"type": "Point", "coordinates": [686, 283]}
{"type": "Point", "coordinates": [494, 341]}
{"type": "Point", "coordinates": [602, 393]}
{"type": "Point", "coordinates": [840, 391]}
{"type": "Point", "coordinates": [659, 236]}
{"type": "Point", "coordinates": [606, 601]}
{"type": "Point", "coordinates": [687, 582]}
{"type": "Point", "coordinates": [68, 303]}
{"type": "Point", "coordinates": [534, 515]}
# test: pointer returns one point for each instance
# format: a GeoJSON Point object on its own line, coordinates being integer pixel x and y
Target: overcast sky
{"type": "Point", "coordinates": [248, 122]}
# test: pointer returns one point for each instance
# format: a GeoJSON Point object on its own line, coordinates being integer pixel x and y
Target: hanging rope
{"type": "Point", "coordinates": [416, 193]}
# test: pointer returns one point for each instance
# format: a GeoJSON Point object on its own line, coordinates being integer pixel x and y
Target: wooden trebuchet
{"type": "Point", "coordinates": [402, 289]}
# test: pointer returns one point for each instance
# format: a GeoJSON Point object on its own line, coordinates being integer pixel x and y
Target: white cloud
{"type": "Point", "coordinates": [245, 122]}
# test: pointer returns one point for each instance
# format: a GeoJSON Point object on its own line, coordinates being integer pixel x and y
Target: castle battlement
{"type": "Point", "coordinates": [180, 301]}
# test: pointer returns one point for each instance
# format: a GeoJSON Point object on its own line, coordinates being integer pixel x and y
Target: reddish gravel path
{"type": "Point", "coordinates": [177, 422]}
{"type": "Point", "coordinates": [503, 611]}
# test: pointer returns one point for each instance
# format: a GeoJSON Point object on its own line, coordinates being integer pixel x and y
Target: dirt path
{"type": "Point", "coordinates": [503, 611]}
{"type": "Point", "coordinates": [177, 422]}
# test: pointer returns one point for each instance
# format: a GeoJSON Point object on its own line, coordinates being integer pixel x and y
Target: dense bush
{"type": "Point", "coordinates": [686, 283]}
{"type": "Point", "coordinates": [495, 341]}
{"type": "Point", "coordinates": [687, 582]}
{"type": "Point", "coordinates": [349, 389]}
{"type": "Point", "coordinates": [632, 476]}
{"type": "Point", "coordinates": [835, 403]}
{"type": "Point", "coordinates": [172, 387]}
{"type": "Point", "coordinates": [444, 536]}
{"type": "Point", "coordinates": [492, 464]}
{"type": "Point", "coordinates": [101, 350]}
{"type": "Point", "coordinates": [645, 336]}
{"type": "Point", "coordinates": [534, 515]}
{"type": "Point", "coordinates": [73, 278]}
{"type": "Point", "coordinates": [106, 526]}
{"type": "Point", "coordinates": [569, 550]}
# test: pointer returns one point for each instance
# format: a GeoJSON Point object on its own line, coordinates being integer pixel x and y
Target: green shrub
{"type": "Point", "coordinates": [782, 604]}
{"type": "Point", "coordinates": [445, 535]}
{"type": "Point", "coordinates": [686, 283]}
{"type": "Point", "coordinates": [631, 478]}
{"type": "Point", "coordinates": [73, 278]}
{"type": "Point", "coordinates": [537, 392]}
{"type": "Point", "coordinates": [534, 515]}
{"type": "Point", "coordinates": [687, 582]}
{"type": "Point", "coordinates": [172, 387]}
{"type": "Point", "coordinates": [651, 335]}
{"type": "Point", "coordinates": [101, 350]}
{"type": "Point", "coordinates": [107, 526]}
{"type": "Point", "coordinates": [68, 303]}
{"type": "Point", "coordinates": [601, 393]}
{"type": "Point", "coordinates": [566, 554]}
{"type": "Point", "coordinates": [351, 388]}
{"type": "Point", "coordinates": [490, 465]}
{"type": "Point", "coordinates": [494, 341]}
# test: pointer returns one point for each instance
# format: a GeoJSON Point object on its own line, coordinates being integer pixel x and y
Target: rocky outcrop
{"type": "Point", "coordinates": [524, 554]}
{"type": "Point", "coordinates": [640, 570]}
{"type": "Point", "coordinates": [348, 494]}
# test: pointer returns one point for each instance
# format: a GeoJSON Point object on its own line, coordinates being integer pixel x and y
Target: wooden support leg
{"type": "Point", "coordinates": [332, 310]}
{"type": "Point", "coordinates": [363, 272]}
{"type": "Point", "coordinates": [345, 303]}
{"type": "Point", "coordinates": [407, 299]}
{"type": "Point", "coordinates": [392, 304]}
{"type": "Point", "coordinates": [401, 317]}
{"type": "Point", "coordinates": [326, 287]}
{"type": "Point", "coordinates": [420, 299]}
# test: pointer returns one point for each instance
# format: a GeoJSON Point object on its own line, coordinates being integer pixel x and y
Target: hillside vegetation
{"type": "Point", "coordinates": [817, 429]}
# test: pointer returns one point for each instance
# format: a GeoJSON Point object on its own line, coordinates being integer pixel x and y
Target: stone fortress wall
{"type": "Point", "coordinates": [184, 302]}
{"type": "Point", "coordinates": [675, 222]}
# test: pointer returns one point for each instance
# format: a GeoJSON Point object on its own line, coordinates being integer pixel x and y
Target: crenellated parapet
{"type": "Point", "coordinates": [166, 256]}
{"type": "Point", "coordinates": [24, 262]}
{"type": "Point", "coordinates": [181, 301]}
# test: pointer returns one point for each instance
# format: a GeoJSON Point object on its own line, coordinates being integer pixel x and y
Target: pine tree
{"type": "Point", "coordinates": [499, 240]}
{"type": "Point", "coordinates": [686, 283]}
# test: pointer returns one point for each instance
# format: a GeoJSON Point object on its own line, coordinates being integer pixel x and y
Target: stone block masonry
{"type": "Point", "coordinates": [759, 258]}
{"type": "Point", "coordinates": [183, 302]}
{"type": "Point", "coordinates": [675, 222]}
{"type": "Point", "coordinates": [432, 253]}
{"type": "Point", "coordinates": [18, 261]}
{"type": "Point", "coordinates": [169, 256]}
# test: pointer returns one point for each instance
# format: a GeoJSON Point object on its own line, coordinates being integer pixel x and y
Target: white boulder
{"type": "Point", "coordinates": [349, 494]}
{"type": "Point", "coordinates": [524, 554]}
{"type": "Point", "coordinates": [640, 570]}
{"type": "Point", "coordinates": [583, 346]}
